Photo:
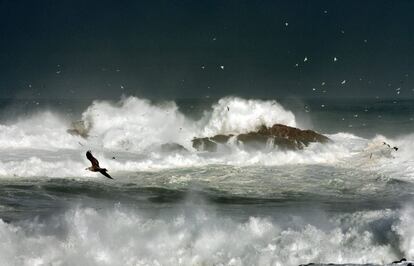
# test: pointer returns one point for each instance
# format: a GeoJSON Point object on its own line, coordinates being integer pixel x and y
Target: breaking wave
{"type": "Point", "coordinates": [136, 124]}
{"type": "Point", "coordinates": [119, 236]}
{"type": "Point", "coordinates": [127, 136]}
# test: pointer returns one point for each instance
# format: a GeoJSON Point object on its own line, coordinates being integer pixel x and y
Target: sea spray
{"type": "Point", "coordinates": [233, 115]}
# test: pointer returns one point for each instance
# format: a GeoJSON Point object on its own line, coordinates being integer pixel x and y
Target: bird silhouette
{"type": "Point", "coordinates": [95, 165]}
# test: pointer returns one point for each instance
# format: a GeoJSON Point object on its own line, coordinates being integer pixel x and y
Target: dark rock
{"type": "Point", "coordinates": [258, 141]}
{"type": "Point", "coordinates": [292, 133]}
{"type": "Point", "coordinates": [221, 138]}
{"type": "Point", "coordinates": [280, 136]}
{"type": "Point", "coordinates": [173, 147]}
{"type": "Point", "coordinates": [399, 261]}
{"type": "Point", "coordinates": [210, 144]}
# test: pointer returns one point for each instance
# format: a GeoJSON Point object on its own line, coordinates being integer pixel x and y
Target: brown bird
{"type": "Point", "coordinates": [95, 165]}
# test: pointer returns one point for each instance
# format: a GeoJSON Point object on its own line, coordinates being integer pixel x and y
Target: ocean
{"type": "Point", "coordinates": [346, 201]}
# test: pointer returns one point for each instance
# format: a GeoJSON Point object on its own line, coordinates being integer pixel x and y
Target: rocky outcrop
{"type": "Point", "coordinates": [292, 133]}
{"type": "Point", "coordinates": [210, 144]}
{"type": "Point", "coordinates": [277, 136]}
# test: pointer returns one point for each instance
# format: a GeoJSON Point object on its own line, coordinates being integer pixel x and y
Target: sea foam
{"type": "Point", "coordinates": [119, 236]}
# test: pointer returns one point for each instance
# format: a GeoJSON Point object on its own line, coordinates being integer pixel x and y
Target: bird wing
{"type": "Point", "coordinates": [93, 160]}
{"type": "Point", "coordinates": [103, 171]}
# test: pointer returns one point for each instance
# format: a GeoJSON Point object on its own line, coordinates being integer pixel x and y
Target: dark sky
{"type": "Point", "coordinates": [175, 49]}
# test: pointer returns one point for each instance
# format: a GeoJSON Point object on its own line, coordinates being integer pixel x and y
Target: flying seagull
{"type": "Point", "coordinates": [95, 165]}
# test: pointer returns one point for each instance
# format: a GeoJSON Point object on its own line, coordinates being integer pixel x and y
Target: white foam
{"type": "Point", "coordinates": [406, 231]}
{"type": "Point", "coordinates": [395, 164]}
{"type": "Point", "coordinates": [44, 130]}
{"type": "Point", "coordinates": [71, 163]}
{"type": "Point", "coordinates": [118, 236]}
{"type": "Point", "coordinates": [136, 124]}
{"type": "Point", "coordinates": [36, 167]}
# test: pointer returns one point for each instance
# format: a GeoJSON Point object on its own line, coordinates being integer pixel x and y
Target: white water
{"type": "Point", "coordinates": [118, 236]}
{"type": "Point", "coordinates": [38, 148]}
{"type": "Point", "coordinates": [133, 129]}
{"type": "Point", "coordinates": [235, 115]}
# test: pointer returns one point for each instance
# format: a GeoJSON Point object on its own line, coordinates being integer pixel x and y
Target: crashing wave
{"type": "Point", "coordinates": [149, 136]}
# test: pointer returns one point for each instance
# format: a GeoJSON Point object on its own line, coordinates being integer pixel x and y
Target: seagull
{"type": "Point", "coordinates": [95, 165]}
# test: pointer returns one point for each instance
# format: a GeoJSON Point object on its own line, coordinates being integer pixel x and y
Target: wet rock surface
{"type": "Point", "coordinates": [277, 136]}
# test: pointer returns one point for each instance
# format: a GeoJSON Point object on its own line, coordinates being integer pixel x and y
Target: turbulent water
{"type": "Point", "coordinates": [348, 201]}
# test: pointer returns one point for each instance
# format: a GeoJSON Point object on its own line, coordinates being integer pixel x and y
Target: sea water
{"type": "Point", "coordinates": [346, 201]}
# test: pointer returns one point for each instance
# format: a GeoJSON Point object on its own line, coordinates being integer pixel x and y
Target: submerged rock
{"type": "Point", "coordinates": [277, 136]}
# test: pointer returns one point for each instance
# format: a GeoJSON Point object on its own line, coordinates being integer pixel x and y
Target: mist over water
{"type": "Point", "coordinates": [346, 201]}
